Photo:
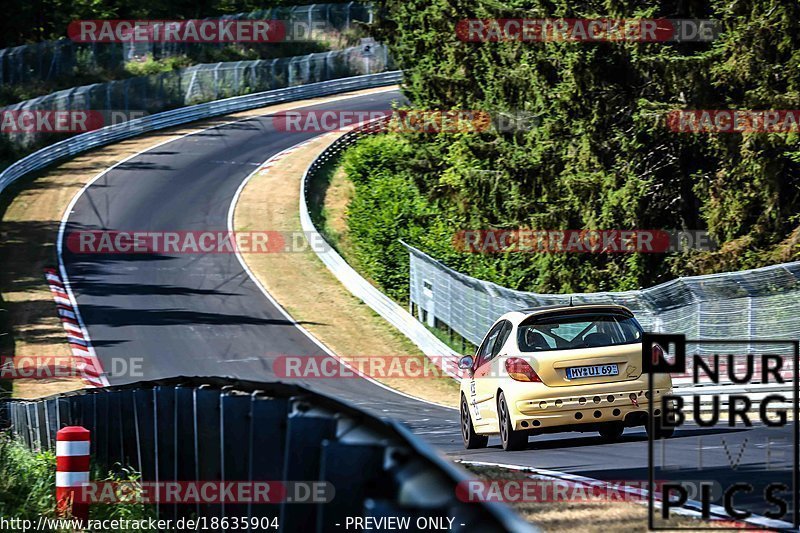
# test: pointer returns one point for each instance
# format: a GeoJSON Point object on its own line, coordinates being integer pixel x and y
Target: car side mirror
{"type": "Point", "coordinates": [466, 362]}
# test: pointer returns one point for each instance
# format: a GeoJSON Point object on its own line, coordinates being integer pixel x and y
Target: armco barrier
{"type": "Point", "coordinates": [109, 134]}
{"type": "Point", "coordinates": [352, 280]}
{"type": "Point", "coordinates": [758, 304]}
{"type": "Point", "coordinates": [216, 429]}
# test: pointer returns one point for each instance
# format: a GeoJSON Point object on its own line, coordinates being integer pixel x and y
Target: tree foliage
{"type": "Point", "coordinates": [601, 155]}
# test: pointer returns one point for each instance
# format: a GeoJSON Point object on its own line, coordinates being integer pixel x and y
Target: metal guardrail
{"type": "Point", "coordinates": [749, 304]}
{"type": "Point", "coordinates": [413, 329]}
{"type": "Point", "coordinates": [109, 134]}
{"type": "Point", "coordinates": [181, 428]}
{"type": "Point", "coordinates": [362, 289]}
{"type": "Point", "coordinates": [217, 429]}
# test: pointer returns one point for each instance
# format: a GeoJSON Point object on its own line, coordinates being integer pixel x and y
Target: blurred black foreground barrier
{"type": "Point", "coordinates": [203, 429]}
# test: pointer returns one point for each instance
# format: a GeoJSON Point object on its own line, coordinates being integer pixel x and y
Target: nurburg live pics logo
{"type": "Point", "coordinates": [755, 488]}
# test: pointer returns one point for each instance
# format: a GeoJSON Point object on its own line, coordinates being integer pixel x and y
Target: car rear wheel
{"type": "Point", "coordinates": [612, 431]}
{"type": "Point", "coordinates": [511, 439]}
{"type": "Point", "coordinates": [472, 440]}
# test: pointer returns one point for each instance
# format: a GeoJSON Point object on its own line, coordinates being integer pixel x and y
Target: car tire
{"type": "Point", "coordinates": [612, 431]}
{"type": "Point", "coordinates": [657, 430]}
{"type": "Point", "coordinates": [472, 441]}
{"type": "Point", "coordinates": [511, 439]}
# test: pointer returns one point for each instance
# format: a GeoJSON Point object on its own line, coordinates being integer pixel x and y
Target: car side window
{"type": "Point", "coordinates": [485, 351]}
{"type": "Point", "coordinates": [501, 340]}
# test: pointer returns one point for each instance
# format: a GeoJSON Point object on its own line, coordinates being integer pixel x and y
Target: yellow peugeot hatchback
{"type": "Point", "coordinates": [554, 369]}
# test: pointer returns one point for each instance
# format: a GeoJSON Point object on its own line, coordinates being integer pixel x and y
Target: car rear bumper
{"type": "Point", "coordinates": [627, 406]}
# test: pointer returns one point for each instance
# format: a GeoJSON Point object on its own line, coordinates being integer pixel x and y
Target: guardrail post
{"type": "Point", "coordinates": [301, 462]}
{"type": "Point", "coordinates": [72, 471]}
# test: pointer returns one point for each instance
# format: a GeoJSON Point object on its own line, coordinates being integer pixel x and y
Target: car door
{"type": "Point", "coordinates": [484, 380]}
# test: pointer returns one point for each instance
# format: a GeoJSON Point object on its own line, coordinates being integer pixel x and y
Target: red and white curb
{"type": "Point", "coordinates": [87, 362]}
{"type": "Point", "coordinates": [280, 155]}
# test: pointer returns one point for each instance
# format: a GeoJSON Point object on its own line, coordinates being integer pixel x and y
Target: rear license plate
{"type": "Point", "coordinates": [592, 371]}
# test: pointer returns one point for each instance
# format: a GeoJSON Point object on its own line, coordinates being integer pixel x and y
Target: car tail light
{"type": "Point", "coordinates": [519, 370]}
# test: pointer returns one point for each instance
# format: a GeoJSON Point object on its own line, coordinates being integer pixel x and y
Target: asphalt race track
{"type": "Point", "coordinates": [203, 315]}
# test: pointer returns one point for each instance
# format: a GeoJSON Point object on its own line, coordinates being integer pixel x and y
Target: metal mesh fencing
{"type": "Point", "coordinates": [167, 119]}
{"type": "Point", "coordinates": [480, 303]}
{"type": "Point", "coordinates": [756, 304]}
{"type": "Point", "coordinates": [200, 83]}
{"type": "Point", "coordinates": [50, 59]}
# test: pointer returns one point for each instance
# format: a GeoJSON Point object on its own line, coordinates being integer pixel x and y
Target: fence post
{"type": "Point", "coordinates": [72, 471]}
{"type": "Point", "coordinates": [216, 80]}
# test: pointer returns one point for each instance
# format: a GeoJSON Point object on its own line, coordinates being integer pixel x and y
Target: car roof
{"type": "Point", "coordinates": [523, 314]}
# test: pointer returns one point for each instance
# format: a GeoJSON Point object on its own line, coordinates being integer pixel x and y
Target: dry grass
{"type": "Point", "coordinates": [588, 517]}
{"type": "Point", "coordinates": [30, 213]}
{"type": "Point", "coordinates": [308, 291]}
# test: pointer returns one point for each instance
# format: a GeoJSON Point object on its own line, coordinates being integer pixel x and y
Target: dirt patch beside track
{"type": "Point", "coordinates": [30, 215]}
{"type": "Point", "coordinates": [309, 292]}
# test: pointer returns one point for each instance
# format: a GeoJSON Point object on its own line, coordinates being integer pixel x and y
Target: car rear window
{"type": "Point", "coordinates": [582, 330]}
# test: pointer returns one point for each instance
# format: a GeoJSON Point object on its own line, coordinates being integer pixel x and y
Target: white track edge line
{"type": "Point", "coordinates": [686, 510]}
{"type": "Point", "coordinates": [283, 311]}
{"type": "Point", "coordinates": [68, 212]}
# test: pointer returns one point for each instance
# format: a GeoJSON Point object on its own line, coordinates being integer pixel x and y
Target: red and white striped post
{"type": "Point", "coordinates": [72, 471]}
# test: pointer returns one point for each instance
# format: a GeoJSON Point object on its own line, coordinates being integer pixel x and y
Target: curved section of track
{"type": "Point", "coordinates": [193, 314]}
{"type": "Point", "coordinates": [203, 314]}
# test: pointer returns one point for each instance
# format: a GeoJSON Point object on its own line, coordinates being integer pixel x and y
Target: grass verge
{"type": "Point", "coordinates": [27, 486]}
{"type": "Point", "coordinates": [329, 197]}
{"type": "Point", "coordinates": [308, 291]}
{"type": "Point", "coordinates": [30, 214]}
